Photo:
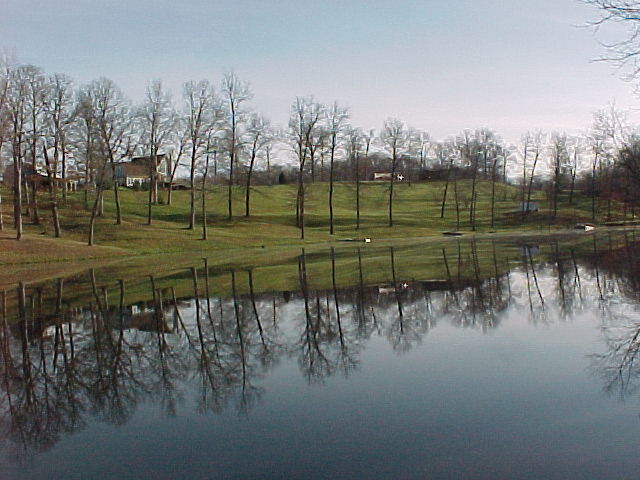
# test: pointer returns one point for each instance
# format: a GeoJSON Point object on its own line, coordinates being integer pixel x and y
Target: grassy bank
{"type": "Point", "coordinates": [433, 263]}
{"type": "Point", "coordinates": [272, 221]}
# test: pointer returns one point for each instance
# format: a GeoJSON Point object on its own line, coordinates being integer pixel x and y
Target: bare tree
{"type": "Point", "coordinates": [5, 74]}
{"type": "Point", "coordinates": [210, 147]}
{"type": "Point", "coordinates": [396, 140]}
{"type": "Point", "coordinates": [235, 93]}
{"type": "Point", "coordinates": [37, 92]}
{"type": "Point", "coordinates": [576, 150]}
{"type": "Point", "coordinates": [318, 146]}
{"type": "Point", "coordinates": [624, 54]}
{"type": "Point", "coordinates": [597, 142]}
{"type": "Point", "coordinates": [336, 119]}
{"type": "Point", "coordinates": [181, 145]}
{"type": "Point", "coordinates": [354, 140]}
{"type": "Point", "coordinates": [17, 112]}
{"type": "Point", "coordinates": [158, 120]}
{"type": "Point", "coordinates": [58, 116]}
{"type": "Point", "coordinates": [200, 103]}
{"type": "Point", "coordinates": [4, 117]}
{"type": "Point", "coordinates": [446, 155]}
{"type": "Point", "coordinates": [499, 158]}
{"type": "Point", "coordinates": [424, 145]}
{"type": "Point", "coordinates": [258, 138]}
{"type": "Point", "coordinates": [84, 139]}
{"type": "Point", "coordinates": [305, 114]}
{"type": "Point", "coordinates": [469, 157]}
{"type": "Point", "coordinates": [60, 112]}
{"type": "Point", "coordinates": [53, 194]}
{"type": "Point", "coordinates": [481, 155]}
{"type": "Point", "coordinates": [558, 159]}
{"type": "Point", "coordinates": [536, 146]}
{"type": "Point", "coordinates": [525, 142]}
{"type": "Point", "coordinates": [112, 122]}
{"type": "Point", "coordinates": [368, 138]}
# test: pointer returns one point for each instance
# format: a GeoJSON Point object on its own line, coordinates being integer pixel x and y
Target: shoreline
{"type": "Point", "coordinates": [61, 262]}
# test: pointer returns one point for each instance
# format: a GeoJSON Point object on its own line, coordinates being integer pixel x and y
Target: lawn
{"type": "Point", "coordinates": [271, 225]}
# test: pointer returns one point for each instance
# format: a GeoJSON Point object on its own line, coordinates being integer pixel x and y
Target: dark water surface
{"type": "Point", "coordinates": [456, 361]}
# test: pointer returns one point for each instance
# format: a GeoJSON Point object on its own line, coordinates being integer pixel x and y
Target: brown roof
{"type": "Point", "coordinates": [145, 159]}
{"type": "Point", "coordinates": [135, 170]}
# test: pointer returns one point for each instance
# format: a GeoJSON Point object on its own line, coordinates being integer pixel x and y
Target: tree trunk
{"type": "Point", "coordinates": [472, 213]}
{"type": "Point", "coordinates": [248, 190]}
{"type": "Point", "coordinates": [150, 199]}
{"type": "Point", "coordinates": [493, 191]}
{"type": "Point", "coordinates": [204, 198]}
{"type": "Point", "coordinates": [533, 171]}
{"type": "Point", "coordinates": [394, 161]}
{"type": "Point", "coordinates": [174, 168]}
{"type": "Point", "coordinates": [331, 160]}
{"type": "Point", "coordinates": [232, 158]}
{"type": "Point", "coordinates": [524, 183]}
{"type": "Point", "coordinates": [357, 158]}
{"type": "Point", "coordinates": [64, 171]}
{"type": "Point", "coordinates": [94, 214]}
{"type": "Point", "coordinates": [593, 188]}
{"type": "Point", "coordinates": [300, 200]}
{"type": "Point", "coordinates": [116, 195]}
{"type": "Point", "coordinates": [192, 185]}
{"type": "Point", "coordinates": [446, 188]}
{"type": "Point", "coordinates": [230, 190]}
{"type": "Point", "coordinates": [96, 204]}
{"type": "Point", "coordinates": [34, 185]}
{"type": "Point", "coordinates": [52, 194]}
{"type": "Point", "coordinates": [573, 185]}
{"type": "Point", "coordinates": [17, 196]}
{"type": "Point", "coordinates": [457, 199]}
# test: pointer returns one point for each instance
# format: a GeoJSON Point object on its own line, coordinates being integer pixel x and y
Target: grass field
{"type": "Point", "coordinates": [468, 259]}
{"type": "Point", "coordinates": [272, 222]}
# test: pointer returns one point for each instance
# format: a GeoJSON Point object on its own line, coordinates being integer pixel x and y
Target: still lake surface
{"type": "Point", "coordinates": [461, 360]}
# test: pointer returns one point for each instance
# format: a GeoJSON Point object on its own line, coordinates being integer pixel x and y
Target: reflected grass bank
{"type": "Point", "coordinates": [488, 329]}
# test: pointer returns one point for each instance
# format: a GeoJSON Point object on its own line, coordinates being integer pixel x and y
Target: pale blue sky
{"type": "Point", "coordinates": [440, 66]}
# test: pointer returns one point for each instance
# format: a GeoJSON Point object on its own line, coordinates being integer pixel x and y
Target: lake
{"type": "Point", "coordinates": [453, 359]}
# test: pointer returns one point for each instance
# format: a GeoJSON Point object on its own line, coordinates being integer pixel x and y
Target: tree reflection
{"type": "Point", "coordinates": [66, 360]}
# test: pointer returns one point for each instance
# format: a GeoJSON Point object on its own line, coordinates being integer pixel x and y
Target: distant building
{"type": "Point", "coordinates": [41, 180]}
{"type": "Point", "coordinates": [387, 176]}
{"type": "Point", "coordinates": [136, 172]}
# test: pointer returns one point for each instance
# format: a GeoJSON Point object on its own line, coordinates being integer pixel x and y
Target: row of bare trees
{"type": "Point", "coordinates": [49, 127]}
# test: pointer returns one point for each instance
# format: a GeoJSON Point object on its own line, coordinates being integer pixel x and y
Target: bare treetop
{"type": "Point", "coordinates": [624, 53]}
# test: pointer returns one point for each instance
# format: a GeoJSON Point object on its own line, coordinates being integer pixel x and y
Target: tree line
{"type": "Point", "coordinates": [52, 128]}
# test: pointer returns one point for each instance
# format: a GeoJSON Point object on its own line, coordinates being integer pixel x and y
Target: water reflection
{"type": "Point", "coordinates": [100, 355]}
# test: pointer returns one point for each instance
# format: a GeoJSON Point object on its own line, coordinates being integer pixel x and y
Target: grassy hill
{"type": "Point", "coordinates": [272, 220]}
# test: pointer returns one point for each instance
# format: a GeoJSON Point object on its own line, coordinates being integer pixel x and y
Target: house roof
{"type": "Point", "coordinates": [138, 167]}
{"type": "Point", "coordinates": [145, 159]}
{"type": "Point", "coordinates": [135, 169]}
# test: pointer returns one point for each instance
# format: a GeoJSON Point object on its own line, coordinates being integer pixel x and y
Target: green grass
{"type": "Point", "coordinates": [272, 220]}
{"type": "Point", "coordinates": [468, 259]}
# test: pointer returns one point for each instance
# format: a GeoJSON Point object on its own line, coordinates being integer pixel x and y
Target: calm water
{"type": "Point", "coordinates": [461, 361]}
